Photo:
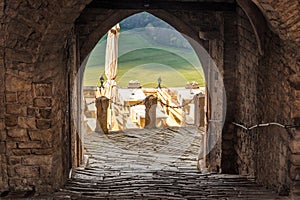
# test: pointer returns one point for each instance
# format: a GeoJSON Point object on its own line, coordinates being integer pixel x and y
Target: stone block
{"type": "Point", "coordinates": [26, 74]}
{"type": "Point", "coordinates": [42, 102]}
{"type": "Point", "coordinates": [37, 160]}
{"type": "Point", "coordinates": [31, 112]}
{"type": "Point", "coordinates": [27, 171]}
{"type": "Point", "coordinates": [42, 151]}
{"type": "Point", "coordinates": [25, 98]}
{"type": "Point", "coordinates": [2, 111]}
{"type": "Point", "coordinates": [1, 96]}
{"type": "Point", "coordinates": [41, 135]}
{"type": "Point", "coordinates": [228, 136]}
{"type": "Point", "coordinates": [14, 160]}
{"type": "Point", "coordinates": [283, 161]}
{"type": "Point", "coordinates": [2, 148]}
{"type": "Point", "coordinates": [16, 109]}
{"type": "Point", "coordinates": [1, 123]}
{"type": "Point", "coordinates": [15, 84]}
{"type": "Point", "coordinates": [19, 139]}
{"type": "Point", "coordinates": [13, 109]}
{"type": "Point", "coordinates": [46, 171]}
{"type": "Point", "coordinates": [296, 134]}
{"type": "Point", "coordinates": [295, 172]}
{"type": "Point", "coordinates": [42, 90]}
{"type": "Point", "coordinates": [27, 122]}
{"type": "Point", "coordinates": [12, 69]}
{"type": "Point", "coordinates": [295, 146]}
{"type": "Point", "coordinates": [30, 145]}
{"type": "Point", "coordinates": [297, 94]}
{"type": "Point", "coordinates": [11, 97]}
{"type": "Point", "coordinates": [11, 171]}
{"type": "Point", "coordinates": [43, 124]}
{"type": "Point", "coordinates": [11, 145]}
{"type": "Point", "coordinates": [150, 104]}
{"type": "Point", "coordinates": [11, 120]}
{"type": "Point", "coordinates": [3, 135]}
{"type": "Point", "coordinates": [20, 152]}
{"type": "Point", "coordinates": [21, 184]}
{"type": "Point", "coordinates": [16, 133]}
{"type": "Point", "coordinates": [35, 4]}
{"type": "Point", "coordinates": [296, 109]}
{"type": "Point", "coordinates": [44, 113]}
{"type": "Point", "coordinates": [17, 56]}
{"type": "Point", "coordinates": [297, 122]}
{"type": "Point", "coordinates": [295, 159]}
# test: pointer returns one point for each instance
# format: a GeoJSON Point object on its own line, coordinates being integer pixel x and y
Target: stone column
{"type": "Point", "coordinates": [201, 120]}
{"type": "Point", "coordinates": [102, 104]}
{"type": "Point", "coordinates": [150, 116]}
{"type": "Point", "coordinates": [199, 100]}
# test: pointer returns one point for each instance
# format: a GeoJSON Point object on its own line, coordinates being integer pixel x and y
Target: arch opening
{"type": "Point", "coordinates": [40, 65]}
{"type": "Point", "coordinates": [196, 56]}
{"type": "Point", "coordinates": [149, 50]}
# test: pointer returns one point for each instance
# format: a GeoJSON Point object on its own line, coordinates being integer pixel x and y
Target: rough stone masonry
{"type": "Point", "coordinates": [43, 44]}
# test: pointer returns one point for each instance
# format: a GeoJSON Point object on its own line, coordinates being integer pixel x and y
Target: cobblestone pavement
{"type": "Point", "coordinates": [153, 164]}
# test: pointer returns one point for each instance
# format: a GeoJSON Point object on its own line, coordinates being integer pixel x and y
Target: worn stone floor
{"type": "Point", "coordinates": [152, 164]}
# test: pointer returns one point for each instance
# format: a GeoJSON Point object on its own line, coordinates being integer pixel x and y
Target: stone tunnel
{"type": "Point", "coordinates": [254, 43]}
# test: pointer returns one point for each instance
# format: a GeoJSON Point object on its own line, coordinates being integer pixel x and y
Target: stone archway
{"type": "Point", "coordinates": [282, 16]}
{"type": "Point", "coordinates": [38, 53]}
{"type": "Point", "coordinates": [87, 41]}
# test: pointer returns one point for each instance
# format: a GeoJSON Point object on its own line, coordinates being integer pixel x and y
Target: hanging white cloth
{"type": "Point", "coordinates": [111, 60]}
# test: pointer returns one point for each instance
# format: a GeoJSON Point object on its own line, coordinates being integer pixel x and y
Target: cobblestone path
{"type": "Point", "coordinates": [150, 164]}
{"type": "Point", "coordinates": [153, 164]}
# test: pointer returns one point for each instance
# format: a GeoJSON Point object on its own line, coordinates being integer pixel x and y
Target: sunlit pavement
{"type": "Point", "coordinates": [153, 164]}
{"type": "Point", "coordinates": [150, 164]}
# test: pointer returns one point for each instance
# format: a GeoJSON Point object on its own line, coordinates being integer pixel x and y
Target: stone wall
{"type": "Point", "coordinates": [74, 83]}
{"type": "Point", "coordinates": [35, 137]}
{"type": "Point", "coordinates": [217, 94]}
{"type": "Point", "coordinates": [3, 167]}
{"type": "Point", "coordinates": [276, 102]}
{"type": "Point", "coordinates": [38, 73]}
{"type": "Point", "coordinates": [18, 107]}
{"type": "Point", "coordinates": [284, 19]}
{"type": "Point", "coordinates": [93, 24]}
{"type": "Point", "coordinates": [229, 157]}
{"type": "Point", "coordinates": [246, 89]}
{"type": "Point", "coordinates": [265, 95]}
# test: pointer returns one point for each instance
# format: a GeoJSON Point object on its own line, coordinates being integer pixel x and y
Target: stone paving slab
{"type": "Point", "coordinates": [152, 164]}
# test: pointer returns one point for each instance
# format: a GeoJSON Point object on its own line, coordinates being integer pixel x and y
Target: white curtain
{"type": "Point", "coordinates": [111, 60]}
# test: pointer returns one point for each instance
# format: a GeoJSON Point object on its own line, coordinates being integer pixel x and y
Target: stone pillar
{"type": "Point", "coordinates": [199, 100]}
{"type": "Point", "coordinates": [202, 113]}
{"type": "Point", "coordinates": [150, 117]}
{"type": "Point", "coordinates": [102, 104]}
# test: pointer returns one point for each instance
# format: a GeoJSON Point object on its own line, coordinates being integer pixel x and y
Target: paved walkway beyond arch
{"type": "Point", "coordinates": [153, 164]}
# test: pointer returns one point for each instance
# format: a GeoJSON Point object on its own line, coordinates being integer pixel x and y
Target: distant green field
{"type": "Point", "coordinates": [143, 60]}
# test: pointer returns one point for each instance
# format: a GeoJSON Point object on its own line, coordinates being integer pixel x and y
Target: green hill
{"type": "Point", "coordinates": [143, 57]}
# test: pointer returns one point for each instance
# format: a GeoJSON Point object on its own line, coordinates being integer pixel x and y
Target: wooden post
{"type": "Point", "coordinates": [150, 118]}
{"type": "Point", "coordinates": [199, 100]}
{"type": "Point", "coordinates": [102, 104]}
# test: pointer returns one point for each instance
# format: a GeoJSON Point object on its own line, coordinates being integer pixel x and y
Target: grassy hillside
{"type": "Point", "coordinates": [143, 58]}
